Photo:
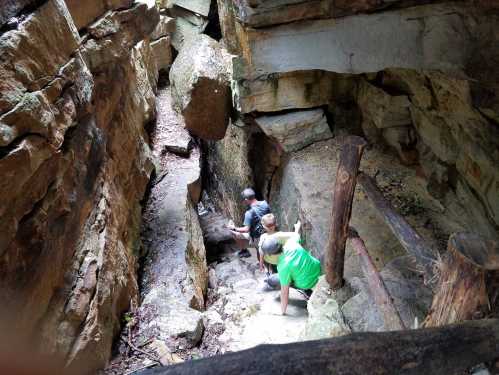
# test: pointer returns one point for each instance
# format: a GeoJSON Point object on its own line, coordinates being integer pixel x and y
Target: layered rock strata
{"type": "Point", "coordinates": [410, 89]}
{"type": "Point", "coordinates": [76, 161]}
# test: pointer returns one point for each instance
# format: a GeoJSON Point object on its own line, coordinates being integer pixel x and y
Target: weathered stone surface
{"type": "Point", "coordinates": [49, 44]}
{"type": "Point", "coordinates": [165, 27]}
{"type": "Point", "coordinates": [384, 110]}
{"type": "Point", "coordinates": [347, 7]}
{"type": "Point", "coordinates": [302, 189]}
{"type": "Point", "coordinates": [403, 139]}
{"type": "Point", "coordinates": [279, 92]}
{"type": "Point", "coordinates": [162, 51]}
{"type": "Point", "coordinates": [200, 87]}
{"type": "Point", "coordinates": [12, 8]}
{"type": "Point", "coordinates": [194, 18]}
{"type": "Point", "coordinates": [85, 12]}
{"type": "Point", "coordinates": [296, 130]}
{"type": "Point", "coordinates": [265, 13]}
{"type": "Point", "coordinates": [184, 32]}
{"type": "Point", "coordinates": [325, 318]}
{"type": "Point", "coordinates": [258, 13]}
{"type": "Point", "coordinates": [228, 25]}
{"type": "Point", "coordinates": [229, 170]}
{"type": "Point", "coordinates": [458, 136]}
{"type": "Point", "coordinates": [78, 164]}
{"type": "Point", "coordinates": [439, 40]}
{"type": "Point", "coordinates": [112, 37]}
{"type": "Point", "coordinates": [201, 7]}
{"type": "Point", "coordinates": [411, 298]}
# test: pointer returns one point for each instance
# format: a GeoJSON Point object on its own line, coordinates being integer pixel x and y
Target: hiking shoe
{"type": "Point", "coordinates": [244, 253]}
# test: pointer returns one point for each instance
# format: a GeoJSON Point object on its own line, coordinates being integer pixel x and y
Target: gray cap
{"type": "Point", "coordinates": [248, 193]}
{"type": "Point", "coordinates": [270, 246]}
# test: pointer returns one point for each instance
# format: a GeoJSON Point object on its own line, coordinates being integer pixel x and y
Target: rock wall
{"type": "Point", "coordinates": [428, 91]}
{"type": "Point", "coordinates": [77, 87]}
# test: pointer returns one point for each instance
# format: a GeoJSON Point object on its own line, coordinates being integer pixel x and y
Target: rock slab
{"type": "Point", "coordinates": [296, 130]}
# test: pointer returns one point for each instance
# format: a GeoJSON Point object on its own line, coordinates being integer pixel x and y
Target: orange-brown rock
{"type": "Point", "coordinates": [75, 162]}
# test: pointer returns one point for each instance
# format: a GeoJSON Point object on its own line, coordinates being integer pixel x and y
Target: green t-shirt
{"type": "Point", "coordinates": [296, 265]}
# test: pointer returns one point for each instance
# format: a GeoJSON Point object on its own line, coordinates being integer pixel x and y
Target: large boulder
{"type": "Point", "coordinates": [200, 87]}
{"type": "Point", "coordinates": [296, 130]}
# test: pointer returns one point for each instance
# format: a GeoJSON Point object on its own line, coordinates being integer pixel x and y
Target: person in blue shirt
{"type": "Point", "coordinates": [249, 234]}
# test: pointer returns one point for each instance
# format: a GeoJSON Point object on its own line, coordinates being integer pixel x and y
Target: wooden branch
{"type": "Point", "coordinates": [443, 350]}
{"type": "Point", "coordinates": [381, 296]}
{"type": "Point", "coordinates": [344, 188]}
{"type": "Point", "coordinates": [411, 241]}
{"type": "Point", "coordinates": [133, 347]}
{"type": "Point", "coordinates": [461, 290]}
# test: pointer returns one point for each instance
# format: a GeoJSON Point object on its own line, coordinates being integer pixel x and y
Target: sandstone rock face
{"type": "Point", "coordinates": [84, 13]}
{"type": "Point", "coordinates": [265, 13]}
{"type": "Point", "coordinates": [165, 27]}
{"type": "Point", "coordinates": [229, 170]}
{"type": "Point", "coordinates": [455, 143]}
{"type": "Point", "coordinates": [200, 87]}
{"type": "Point", "coordinates": [285, 91]}
{"type": "Point", "coordinates": [439, 41]}
{"type": "Point", "coordinates": [162, 52]}
{"type": "Point", "coordinates": [296, 130]}
{"type": "Point", "coordinates": [76, 161]}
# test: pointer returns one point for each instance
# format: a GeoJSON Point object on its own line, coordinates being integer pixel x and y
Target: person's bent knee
{"type": "Point", "coordinates": [273, 281]}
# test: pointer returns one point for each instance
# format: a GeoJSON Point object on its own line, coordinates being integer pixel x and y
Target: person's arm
{"type": "Point", "coordinates": [260, 251]}
{"type": "Point", "coordinates": [244, 229]}
{"type": "Point", "coordinates": [298, 227]}
{"type": "Point", "coordinates": [284, 298]}
{"type": "Point", "coordinates": [282, 237]}
{"type": "Point", "coordinates": [248, 216]}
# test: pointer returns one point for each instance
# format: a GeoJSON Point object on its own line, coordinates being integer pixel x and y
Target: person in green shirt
{"type": "Point", "coordinates": [296, 267]}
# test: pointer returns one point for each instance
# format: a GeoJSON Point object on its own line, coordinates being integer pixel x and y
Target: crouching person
{"type": "Point", "coordinates": [296, 267]}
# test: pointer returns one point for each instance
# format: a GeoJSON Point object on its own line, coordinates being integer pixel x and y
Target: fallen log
{"type": "Point", "coordinates": [344, 188]}
{"type": "Point", "coordinates": [380, 294]}
{"type": "Point", "coordinates": [410, 240]}
{"type": "Point", "coordinates": [442, 350]}
{"type": "Point", "coordinates": [461, 290]}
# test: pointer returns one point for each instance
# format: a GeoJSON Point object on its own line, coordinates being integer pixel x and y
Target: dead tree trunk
{"type": "Point", "coordinates": [412, 242]}
{"type": "Point", "coordinates": [344, 188]}
{"type": "Point", "coordinates": [381, 296]}
{"type": "Point", "coordinates": [461, 290]}
{"type": "Point", "coordinates": [442, 350]}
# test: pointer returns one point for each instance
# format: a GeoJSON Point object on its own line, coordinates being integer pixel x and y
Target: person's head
{"type": "Point", "coordinates": [248, 196]}
{"type": "Point", "coordinates": [271, 246]}
{"type": "Point", "coordinates": [269, 223]}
